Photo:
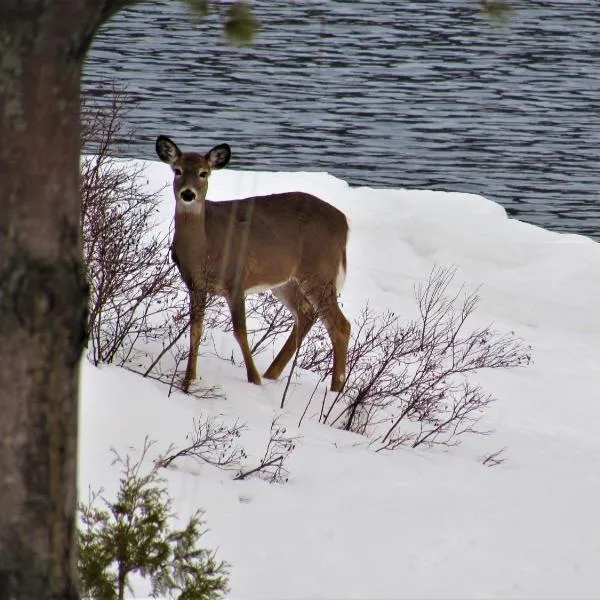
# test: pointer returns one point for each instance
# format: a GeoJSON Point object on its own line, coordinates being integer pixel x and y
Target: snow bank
{"type": "Point", "coordinates": [411, 524]}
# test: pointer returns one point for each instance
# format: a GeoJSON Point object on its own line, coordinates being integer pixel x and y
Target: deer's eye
{"type": "Point", "coordinates": [177, 171]}
{"type": "Point", "coordinates": [203, 174]}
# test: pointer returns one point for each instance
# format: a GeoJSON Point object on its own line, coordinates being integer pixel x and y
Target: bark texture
{"type": "Point", "coordinates": [43, 295]}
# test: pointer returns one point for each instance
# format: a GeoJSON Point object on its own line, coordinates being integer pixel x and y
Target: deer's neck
{"type": "Point", "coordinates": [190, 229]}
{"type": "Point", "coordinates": [190, 245]}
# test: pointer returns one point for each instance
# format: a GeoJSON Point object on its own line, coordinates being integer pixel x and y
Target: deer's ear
{"type": "Point", "coordinates": [167, 149]}
{"type": "Point", "coordinates": [219, 156]}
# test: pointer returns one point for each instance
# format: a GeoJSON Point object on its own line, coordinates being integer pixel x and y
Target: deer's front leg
{"type": "Point", "coordinates": [237, 306]}
{"type": "Point", "coordinates": [197, 309]}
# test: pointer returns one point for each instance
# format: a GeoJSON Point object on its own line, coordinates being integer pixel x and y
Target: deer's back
{"type": "Point", "coordinates": [298, 213]}
{"type": "Point", "coordinates": [278, 234]}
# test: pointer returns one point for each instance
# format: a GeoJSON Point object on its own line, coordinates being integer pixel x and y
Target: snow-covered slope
{"type": "Point", "coordinates": [423, 523]}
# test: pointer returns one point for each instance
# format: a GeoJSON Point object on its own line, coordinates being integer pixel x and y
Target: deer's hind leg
{"type": "Point", "coordinates": [305, 317]}
{"type": "Point", "coordinates": [324, 298]}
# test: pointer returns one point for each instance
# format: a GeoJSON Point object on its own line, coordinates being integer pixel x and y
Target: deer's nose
{"type": "Point", "coordinates": [187, 195]}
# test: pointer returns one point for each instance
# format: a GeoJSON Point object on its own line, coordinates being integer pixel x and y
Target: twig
{"type": "Point", "coordinates": [165, 350]}
{"type": "Point", "coordinates": [261, 467]}
{"type": "Point", "coordinates": [308, 404]}
{"type": "Point", "coordinates": [289, 377]}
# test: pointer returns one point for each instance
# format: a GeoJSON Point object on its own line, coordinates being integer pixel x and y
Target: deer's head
{"type": "Point", "coordinates": [191, 170]}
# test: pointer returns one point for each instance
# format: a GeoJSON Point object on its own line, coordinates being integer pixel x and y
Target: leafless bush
{"type": "Point", "coordinates": [408, 384]}
{"type": "Point", "coordinates": [266, 318]}
{"type": "Point", "coordinates": [212, 442]}
{"type": "Point", "coordinates": [271, 466]}
{"type": "Point", "coordinates": [134, 288]}
{"type": "Point", "coordinates": [216, 443]}
{"type": "Point", "coordinates": [316, 353]}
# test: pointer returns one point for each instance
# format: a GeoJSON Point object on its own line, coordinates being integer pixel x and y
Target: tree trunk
{"type": "Point", "coordinates": [43, 295]}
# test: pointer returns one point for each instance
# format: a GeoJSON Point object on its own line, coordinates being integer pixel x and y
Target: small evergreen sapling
{"type": "Point", "coordinates": [133, 535]}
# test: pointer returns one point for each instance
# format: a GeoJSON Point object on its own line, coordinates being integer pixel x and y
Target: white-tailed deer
{"type": "Point", "coordinates": [293, 244]}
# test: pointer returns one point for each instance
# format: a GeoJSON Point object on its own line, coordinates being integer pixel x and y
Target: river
{"type": "Point", "coordinates": [400, 94]}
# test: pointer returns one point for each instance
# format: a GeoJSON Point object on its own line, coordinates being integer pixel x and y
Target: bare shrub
{"type": "Point", "coordinates": [216, 443]}
{"type": "Point", "coordinates": [408, 384]}
{"type": "Point", "coordinates": [134, 287]}
{"type": "Point", "coordinates": [212, 442]}
{"type": "Point", "coordinates": [266, 318]}
{"type": "Point", "coordinates": [271, 466]}
{"type": "Point", "coordinates": [316, 353]}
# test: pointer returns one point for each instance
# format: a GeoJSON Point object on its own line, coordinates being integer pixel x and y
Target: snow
{"type": "Point", "coordinates": [413, 523]}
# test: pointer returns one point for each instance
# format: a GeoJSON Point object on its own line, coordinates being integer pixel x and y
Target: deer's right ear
{"type": "Point", "coordinates": [167, 149]}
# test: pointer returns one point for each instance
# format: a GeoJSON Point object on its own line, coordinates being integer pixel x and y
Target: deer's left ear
{"type": "Point", "coordinates": [219, 156]}
{"type": "Point", "coordinates": [167, 149]}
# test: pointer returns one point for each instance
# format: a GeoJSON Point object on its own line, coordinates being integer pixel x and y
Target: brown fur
{"type": "Point", "coordinates": [293, 243]}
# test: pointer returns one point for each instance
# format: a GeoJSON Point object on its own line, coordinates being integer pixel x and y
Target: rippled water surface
{"type": "Point", "coordinates": [423, 94]}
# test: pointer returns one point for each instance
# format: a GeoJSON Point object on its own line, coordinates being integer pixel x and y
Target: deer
{"type": "Point", "coordinates": [291, 243]}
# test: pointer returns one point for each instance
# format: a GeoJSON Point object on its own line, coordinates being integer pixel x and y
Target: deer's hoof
{"type": "Point", "coordinates": [337, 385]}
{"type": "Point", "coordinates": [185, 384]}
{"type": "Point", "coordinates": [271, 375]}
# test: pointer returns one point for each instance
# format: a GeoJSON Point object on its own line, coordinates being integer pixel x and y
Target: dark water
{"type": "Point", "coordinates": [422, 94]}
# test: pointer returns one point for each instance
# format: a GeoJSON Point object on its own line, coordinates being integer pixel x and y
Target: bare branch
{"type": "Point", "coordinates": [211, 442]}
{"type": "Point", "coordinates": [271, 466]}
